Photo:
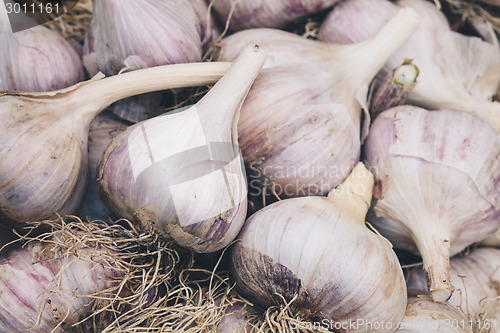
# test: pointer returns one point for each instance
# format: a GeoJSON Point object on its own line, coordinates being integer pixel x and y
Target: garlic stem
{"type": "Point", "coordinates": [355, 192]}
{"type": "Point", "coordinates": [106, 91]}
{"type": "Point", "coordinates": [230, 94]}
{"type": "Point", "coordinates": [377, 49]}
{"type": "Point", "coordinates": [395, 88]}
{"type": "Point", "coordinates": [435, 249]}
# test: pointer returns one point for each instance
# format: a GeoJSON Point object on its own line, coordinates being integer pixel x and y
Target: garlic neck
{"type": "Point", "coordinates": [355, 193]}
{"type": "Point", "coordinates": [371, 55]}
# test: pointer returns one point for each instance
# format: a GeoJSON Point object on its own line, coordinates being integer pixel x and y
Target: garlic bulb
{"type": "Point", "coordinates": [456, 71]}
{"type": "Point", "coordinates": [300, 124]}
{"type": "Point", "coordinates": [493, 240]}
{"type": "Point", "coordinates": [266, 14]}
{"type": "Point", "coordinates": [424, 316]}
{"type": "Point", "coordinates": [184, 171]}
{"type": "Point", "coordinates": [476, 278]}
{"type": "Point", "coordinates": [43, 147]}
{"type": "Point", "coordinates": [36, 59]}
{"type": "Point", "coordinates": [45, 291]}
{"type": "Point", "coordinates": [437, 177]}
{"type": "Point", "coordinates": [102, 130]}
{"type": "Point", "coordinates": [145, 33]}
{"type": "Point", "coordinates": [320, 249]}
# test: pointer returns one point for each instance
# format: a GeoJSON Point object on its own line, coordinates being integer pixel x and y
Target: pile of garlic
{"type": "Point", "coordinates": [319, 165]}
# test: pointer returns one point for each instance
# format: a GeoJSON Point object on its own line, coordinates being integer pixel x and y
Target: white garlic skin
{"type": "Point", "coordinates": [437, 174]}
{"type": "Point", "coordinates": [49, 173]}
{"type": "Point", "coordinates": [39, 286]}
{"type": "Point", "coordinates": [141, 34]}
{"type": "Point", "coordinates": [476, 278]}
{"type": "Point", "coordinates": [425, 316]}
{"type": "Point", "coordinates": [234, 320]}
{"type": "Point", "coordinates": [38, 60]}
{"type": "Point", "coordinates": [267, 14]}
{"type": "Point", "coordinates": [320, 249]}
{"type": "Point", "coordinates": [103, 129]}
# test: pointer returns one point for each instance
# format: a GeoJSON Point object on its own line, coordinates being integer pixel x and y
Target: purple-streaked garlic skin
{"type": "Point", "coordinates": [102, 130]}
{"type": "Point", "coordinates": [424, 315]}
{"type": "Point", "coordinates": [300, 126]}
{"type": "Point", "coordinates": [320, 249]}
{"type": "Point", "coordinates": [446, 81]}
{"type": "Point", "coordinates": [475, 277]}
{"type": "Point", "coordinates": [39, 291]}
{"type": "Point", "coordinates": [438, 176]}
{"type": "Point", "coordinates": [267, 14]}
{"type": "Point", "coordinates": [38, 59]}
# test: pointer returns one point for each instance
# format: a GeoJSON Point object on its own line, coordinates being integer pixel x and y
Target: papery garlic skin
{"type": "Point", "coordinates": [476, 278]}
{"type": "Point", "coordinates": [266, 14]}
{"type": "Point", "coordinates": [38, 59]}
{"type": "Point", "coordinates": [103, 129]}
{"type": "Point", "coordinates": [456, 71]}
{"type": "Point", "coordinates": [425, 316]}
{"type": "Point", "coordinates": [300, 126]}
{"type": "Point", "coordinates": [48, 292]}
{"type": "Point", "coordinates": [184, 170]}
{"type": "Point", "coordinates": [437, 175]}
{"type": "Point", "coordinates": [320, 249]}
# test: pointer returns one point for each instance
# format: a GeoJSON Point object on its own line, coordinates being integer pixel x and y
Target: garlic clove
{"type": "Point", "coordinates": [436, 174]}
{"type": "Point", "coordinates": [184, 170]}
{"type": "Point", "coordinates": [319, 250]}
{"type": "Point", "coordinates": [244, 14]}
{"type": "Point", "coordinates": [300, 126]}
{"type": "Point", "coordinates": [446, 81]}
{"type": "Point", "coordinates": [43, 147]}
{"type": "Point", "coordinates": [475, 277]}
{"type": "Point", "coordinates": [57, 64]}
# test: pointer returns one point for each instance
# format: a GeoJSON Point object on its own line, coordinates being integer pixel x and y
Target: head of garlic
{"type": "Point", "coordinates": [184, 171]}
{"type": "Point", "coordinates": [300, 126]}
{"type": "Point", "coordinates": [437, 176]}
{"type": "Point", "coordinates": [456, 71]}
{"type": "Point", "coordinates": [36, 59]}
{"type": "Point", "coordinates": [245, 14]}
{"type": "Point", "coordinates": [46, 290]}
{"type": "Point", "coordinates": [43, 145]}
{"type": "Point", "coordinates": [476, 278]}
{"type": "Point", "coordinates": [425, 316]}
{"type": "Point", "coordinates": [319, 250]}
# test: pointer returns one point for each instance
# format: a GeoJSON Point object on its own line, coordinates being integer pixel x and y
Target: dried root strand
{"type": "Point", "coordinates": [469, 9]}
